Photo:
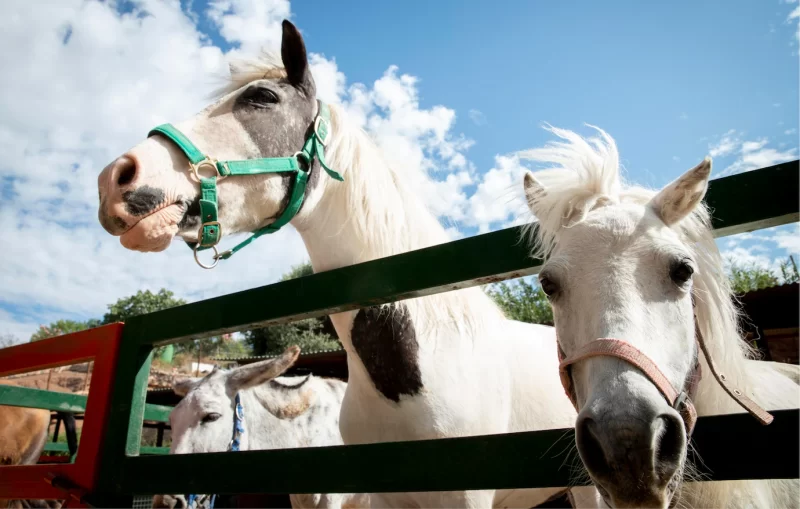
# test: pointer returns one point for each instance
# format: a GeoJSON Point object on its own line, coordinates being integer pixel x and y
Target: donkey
{"type": "Point", "coordinates": [438, 366]}
{"type": "Point", "coordinates": [640, 270]}
{"type": "Point", "coordinates": [253, 407]}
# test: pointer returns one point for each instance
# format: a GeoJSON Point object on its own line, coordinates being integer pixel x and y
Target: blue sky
{"type": "Point", "coordinates": [662, 77]}
{"type": "Point", "coordinates": [671, 82]}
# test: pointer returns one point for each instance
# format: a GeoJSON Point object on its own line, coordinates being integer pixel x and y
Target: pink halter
{"type": "Point", "coordinates": [679, 400]}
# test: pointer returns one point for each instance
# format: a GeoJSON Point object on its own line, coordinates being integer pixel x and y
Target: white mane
{"type": "Point", "coordinates": [586, 176]}
{"type": "Point", "coordinates": [390, 218]}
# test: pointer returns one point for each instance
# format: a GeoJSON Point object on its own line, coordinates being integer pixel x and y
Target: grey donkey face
{"type": "Point", "coordinates": [203, 421]}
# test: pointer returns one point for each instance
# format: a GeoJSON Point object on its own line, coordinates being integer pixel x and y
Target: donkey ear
{"type": "Point", "coordinates": [679, 199]}
{"type": "Point", "coordinates": [534, 193]}
{"type": "Point", "coordinates": [295, 59]}
{"type": "Point", "coordinates": [182, 387]}
{"type": "Point", "coordinates": [264, 371]}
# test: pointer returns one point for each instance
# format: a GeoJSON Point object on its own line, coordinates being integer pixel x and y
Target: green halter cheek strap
{"type": "Point", "coordinates": [211, 232]}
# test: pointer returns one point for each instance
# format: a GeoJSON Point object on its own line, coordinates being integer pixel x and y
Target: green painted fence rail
{"type": "Point", "coordinates": [63, 447]}
{"type": "Point", "coordinates": [65, 402]}
{"type": "Point", "coordinates": [531, 459]}
{"type": "Point", "coordinates": [740, 203]}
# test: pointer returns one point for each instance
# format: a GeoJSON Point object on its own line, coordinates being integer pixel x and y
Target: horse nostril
{"type": "Point", "coordinates": [669, 446]}
{"type": "Point", "coordinates": [127, 171]}
{"type": "Point", "coordinates": [589, 446]}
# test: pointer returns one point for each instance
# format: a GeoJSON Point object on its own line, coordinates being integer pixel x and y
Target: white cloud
{"type": "Point", "coordinates": [752, 146]}
{"type": "Point", "coordinates": [725, 146]}
{"type": "Point", "coordinates": [789, 132]}
{"type": "Point", "coordinates": [683, 116]}
{"type": "Point", "coordinates": [477, 117]}
{"type": "Point", "coordinates": [72, 107]}
{"type": "Point", "coordinates": [499, 197]}
{"type": "Point", "coordinates": [750, 154]}
{"type": "Point", "coordinates": [795, 15]}
{"type": "Point", "coordinates": [676, 158]}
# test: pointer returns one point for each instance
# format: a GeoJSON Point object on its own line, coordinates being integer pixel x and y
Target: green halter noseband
{"type": "Point", "coordinates": [211, 232]}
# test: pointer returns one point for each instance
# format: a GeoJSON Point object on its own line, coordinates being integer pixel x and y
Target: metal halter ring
{"type": "Point", "coordinates": [302, 155]}
{"type": "Point", "coordinates": [317, 123]}
{"type": "Point", "coordinates": [206, 162]}
{"type": "Point", "coordinates": [197, 259]}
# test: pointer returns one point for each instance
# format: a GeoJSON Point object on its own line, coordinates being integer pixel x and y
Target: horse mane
{"type": "Point", "coordinates": [584, 175]}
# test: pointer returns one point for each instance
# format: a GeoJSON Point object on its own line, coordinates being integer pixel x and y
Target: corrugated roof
{"type": "Point", "coordinates": [264, 357]}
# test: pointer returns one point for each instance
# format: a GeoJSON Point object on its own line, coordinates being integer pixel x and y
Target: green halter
{"type": "Point", "coordinates": [211, 232]}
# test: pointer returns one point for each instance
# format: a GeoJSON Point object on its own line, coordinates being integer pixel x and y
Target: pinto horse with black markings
{"type": "Point", "coordinates": [268, 153]}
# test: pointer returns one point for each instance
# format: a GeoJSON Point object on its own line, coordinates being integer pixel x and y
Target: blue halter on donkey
{"type": "Point", "coordinates": [236, 443]}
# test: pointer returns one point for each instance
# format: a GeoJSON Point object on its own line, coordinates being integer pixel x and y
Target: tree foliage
{"type": "Point", "coordinates": [310, 334]}
{"type": "Point", "coordinates": [141, 303]}
{"type": "Point", "coordinates": [522, 300]}
{"type": "Point", "coordinates": [60, 327]}
{"type": "Point", "coordinates": [747, 278]}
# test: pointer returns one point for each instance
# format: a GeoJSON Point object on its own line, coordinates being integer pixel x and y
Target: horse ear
{"type": "Point", "coordinates": [182, 387]}
{"type": "Point", "coordinates": [264, 371]}
{"type": "Point", "coordinates": [679, 198]}
{"type": "Point", "coordinates": [534, 192]}
{"type": "Point", "coordinates": [295, 59]}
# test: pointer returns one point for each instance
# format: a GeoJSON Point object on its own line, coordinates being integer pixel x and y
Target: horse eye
{"type": "Point", "coordinates": [259, 96]}
{"type": "Point", "coordinates": [548, 286]}
{"type": "Point", "coordinates": [213, 416]}
{"type": "Point", "coordinates": [681, 272]}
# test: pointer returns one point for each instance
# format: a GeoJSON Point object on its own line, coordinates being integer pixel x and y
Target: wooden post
{"type": "Point", "coordinates": [49, 375]}
{"type": "Point", "coordinates": [86, 377]}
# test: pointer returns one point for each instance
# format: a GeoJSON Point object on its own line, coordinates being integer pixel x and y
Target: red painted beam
{"type": "Point", "coordinates": [101, 345]}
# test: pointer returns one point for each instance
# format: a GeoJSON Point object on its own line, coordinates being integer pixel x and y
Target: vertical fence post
{"type": "Point", "coordinates": [126, 413]}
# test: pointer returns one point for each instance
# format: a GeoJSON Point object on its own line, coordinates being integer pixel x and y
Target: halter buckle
{"type": "Point", "coordinates": [206, 162]}
{"type": "Point", "coordinates": [322, 130]}
{"type": "Point", "coordinates": [197, 258]}
{"type": "Point", "coordinates": [680, 400]}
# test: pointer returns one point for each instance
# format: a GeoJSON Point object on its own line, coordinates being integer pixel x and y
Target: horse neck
{"type": "Point", "coordinates": [373, 214]}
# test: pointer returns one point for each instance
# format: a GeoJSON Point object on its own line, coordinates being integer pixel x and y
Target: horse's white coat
{"type": "Point", "coordinates": [610, 247]}
{"type": "Point", "coordinates": [481, 373]}
{"type": "Point", "coordinates": [279, 413]}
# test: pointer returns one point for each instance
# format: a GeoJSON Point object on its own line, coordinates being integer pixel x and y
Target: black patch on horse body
{"type": "Point", "coordinates": [281, 386]}
{"type": "Point", "coordinates": [143, 201]}
{"type": "Point", "coordinates": [386, 342]}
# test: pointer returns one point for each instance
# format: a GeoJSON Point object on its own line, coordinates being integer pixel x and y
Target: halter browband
{"type": "Point", "coordinates": [679, 400]}
{"type": "Point", "coordinates": [211, 231]}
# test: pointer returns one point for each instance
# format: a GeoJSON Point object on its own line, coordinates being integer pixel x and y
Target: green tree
{"type": "Point", "coordinates": [522, 300]}
{"type": "Point", "coordinates": [310, 334]}
{"type": "Point", "coordinates": [746, 278]}
{"type": "Point", "coordinates": [60, 327]}
{"type": "Point", "coordinates": [141, 303]}
{"type": "Point", "coordinates": [7, 340]}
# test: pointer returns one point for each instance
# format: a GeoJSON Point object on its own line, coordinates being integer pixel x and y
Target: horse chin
{"type": "Point", "coordinates": [154, 233]}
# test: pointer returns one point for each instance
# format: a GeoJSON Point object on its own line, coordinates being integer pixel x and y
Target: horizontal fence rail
{"type": "Point", "coordinates": [729, 447]}
{"type": "Point", "coordinates": [65, 402]}
{"type": "Point", "coordinates": [530, 459]}
{"type": "Point", "coordinates": [739, 203]}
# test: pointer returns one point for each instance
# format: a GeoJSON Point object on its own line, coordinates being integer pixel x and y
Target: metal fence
{"type": "Point", "coordinates": [108, 470]}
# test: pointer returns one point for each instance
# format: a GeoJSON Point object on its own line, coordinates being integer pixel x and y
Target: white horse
{"type": "Point", "coordinates": [440, 366]}
{"type": "Point", "coordinates": [275, 412]}
{"type": "Point", "coordinates": [641, 270]}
